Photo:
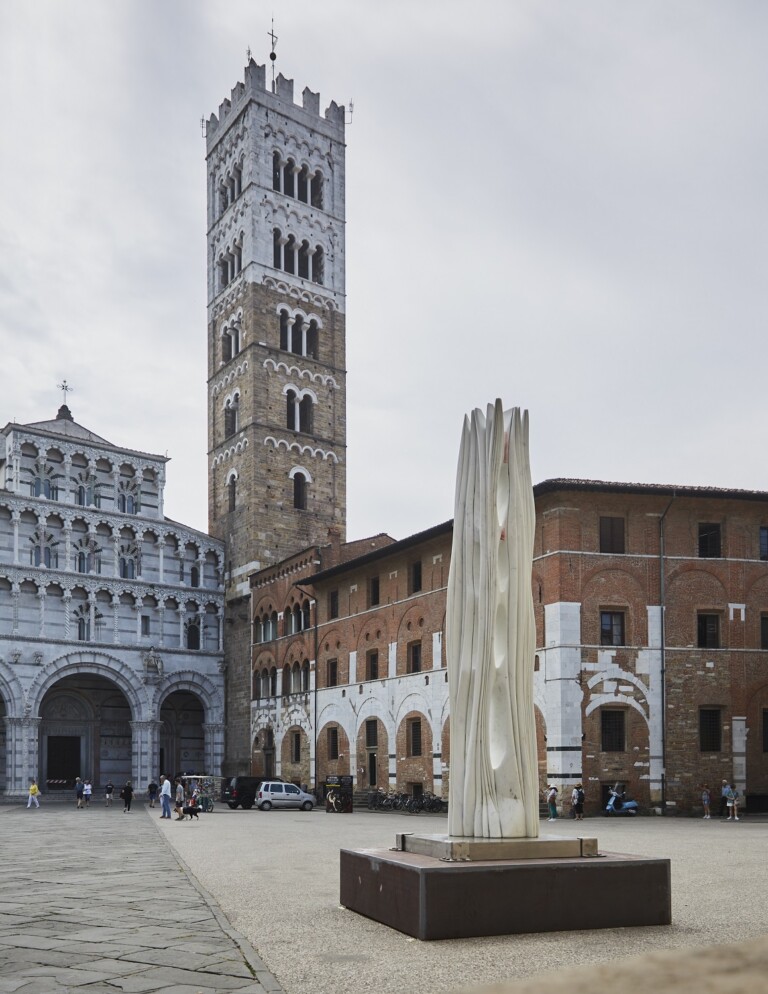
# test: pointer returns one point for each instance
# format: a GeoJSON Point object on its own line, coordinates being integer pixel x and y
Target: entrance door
{"type": "Point", "coordinates": [63, 761]}
{"type": "Point", "coordinates": [372, 780]}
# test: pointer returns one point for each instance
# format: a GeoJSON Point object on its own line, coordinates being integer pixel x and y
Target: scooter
{"type": "Point", "coordinates": [618, 804]}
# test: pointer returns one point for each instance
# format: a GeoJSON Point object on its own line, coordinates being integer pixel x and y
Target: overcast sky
{"type": "Point", "coordinates": [560, 204]}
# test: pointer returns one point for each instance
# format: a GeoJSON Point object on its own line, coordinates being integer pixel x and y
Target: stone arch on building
{"type": "Point", "coordinates": [414, 744]}
{"type": "Point", "coordinates": [372, 746]}
{"type": "Point", "coordinates": [93, 663]}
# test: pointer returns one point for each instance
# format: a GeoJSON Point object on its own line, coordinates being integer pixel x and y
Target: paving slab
{"type": "Point", "coordinates": [92, 901]}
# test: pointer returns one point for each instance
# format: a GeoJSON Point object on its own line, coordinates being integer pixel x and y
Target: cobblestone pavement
{"type": "Point", "coordinates": [96, 901]}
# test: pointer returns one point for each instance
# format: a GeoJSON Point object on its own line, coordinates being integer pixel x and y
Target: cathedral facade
{"type": "Point", "coordinates": [111, 616]}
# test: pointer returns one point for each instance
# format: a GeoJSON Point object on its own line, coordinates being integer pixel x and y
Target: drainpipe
{"type": "Point", "coordinates": [663, 607]}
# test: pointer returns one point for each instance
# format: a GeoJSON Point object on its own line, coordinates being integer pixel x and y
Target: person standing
{"type": "Point", "coordinates": [179, 800]}
{"type": "Point", "coordinates": [577, 801]}
{"type": "Point", "coordinates": [127, 795]}
{"type": "Point", "coordinates": [152, 793]}
{"type": "Point", "coordinates": [34, 790]}
{"type": "Point", "coordinates": [87, 791]}
{"type": "Point", "coordinates": [79, 787]}
{"type": "Point", "coordinates": [552, 802]}
{"type": "Point", "coordinates": [108, 791]}
{"type": "Point", "coordinates": [732, 803]}
{"type": "Point", "coordinates": [706, 799]}
{"type": "Point", "coordinates": [165, 796]}
{"type": "Point", "coordinates": [724, 799]}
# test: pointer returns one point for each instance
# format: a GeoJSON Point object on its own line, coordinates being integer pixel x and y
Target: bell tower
{"type": "Point", "coordinates": [276, 329]}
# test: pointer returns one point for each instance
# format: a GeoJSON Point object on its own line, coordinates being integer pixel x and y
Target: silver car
{"type": "Point", "coordinates": [272, 794]}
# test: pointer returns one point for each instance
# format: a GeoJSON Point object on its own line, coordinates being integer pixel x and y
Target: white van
{"type": "Point", "coordinates": [272, 794]}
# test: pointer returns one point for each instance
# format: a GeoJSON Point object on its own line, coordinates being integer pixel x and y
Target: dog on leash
{"type": "Point", "coordinates": [189, 809]}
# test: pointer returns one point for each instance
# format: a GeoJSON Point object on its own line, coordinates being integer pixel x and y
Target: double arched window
{"type": "Point", "coordinates": [230, 262]}
{"type": "Point", "coordinates": [265, 627]}
{"type": "Point", "coordinates": [230, 186]}
{"type": "Point", "coordinates": [300, 410]}
{"type": "Point", "coordinates": [299, 258]}
{"type": "Point", "coordinates": [299, 334]}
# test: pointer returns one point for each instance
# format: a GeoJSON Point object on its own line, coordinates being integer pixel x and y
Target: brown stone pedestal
{"type": "Point", "coordinates": [450, 897]}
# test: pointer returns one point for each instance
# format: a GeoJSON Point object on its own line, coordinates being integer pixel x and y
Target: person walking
{"type": "Point", "coordinates": [79, 788]}
{"type": "Point", "coordinates": [152, 793]}
{"type": "Point", "coordinates": [34, 791]}
{"type": "Point", "coordinates": [705, 800]}
{"type": "Point", "coordinates": [552, 802]}
{"type": "Point", "coordinates": [732, 803]}
{"type": "Point", "coordinates": [108, 791]}
{"type": "Point", "coordinates": [179, 800]}
{"type": "Point", "coordinates": [165, 796]}
{"type": "Point", "coordinates": [87, 791]}
{"type": "Point", "coordinates": [577, 802]}
{"type": "Point", "coordinates": [127, 795]}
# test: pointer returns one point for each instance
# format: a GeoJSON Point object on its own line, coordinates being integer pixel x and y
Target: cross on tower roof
{"type": "Point", "coordinates": [64, 386]}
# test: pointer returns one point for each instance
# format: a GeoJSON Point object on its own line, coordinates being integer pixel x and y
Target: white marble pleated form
{"type": "Point", "coordinates": [490, 633]}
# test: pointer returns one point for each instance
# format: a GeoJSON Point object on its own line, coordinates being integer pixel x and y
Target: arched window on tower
{"type": "Point", "coordinates": [289, 255]}
{"type": "Point", "coordinates": [232, 416]}
{"type": "Point", "coordinates": [232, 493]}
{"type": "Point", "coordinates": [276, 171]}
{"type": "Point", "coordinates": [289, 186]}
{"type": "Point", "coordinates": [306, 416]}
{"type": "Point", "coordinates": [318, 265]}
{"type": "Point", "coordinates": [285, 331]}
{"type": "Point", "coordinates": [305, 676]}
{"type": "Point", "coordinates": [193, 634]}
{"type": "Point", "coordinates": [291, 403]}
{"type": "Point", "coordinates": [300, 492]}
{"type": "Point", "coordinates": [277, 248]}
{"type": "Point", "coordinates": [312, 340]}
{"type": "Point", "coordinates": [302, 185]}
{"type": "Point", "coordinates": [317, 190]}
{"type": "Point", "coordinates": [304, 260]}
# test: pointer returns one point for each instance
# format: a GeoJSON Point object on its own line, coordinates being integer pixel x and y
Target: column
{"type": "Point", "coordinates": [69, 499]}
{"type": "Point", "coordinates": [137, 609]}
{"type": "Point", "coordinates": [220, 620]}
{"type": "Point", "coordinates": [213, 745]}
{"type": "Point", "coordinates": [116, 555]}
{"type": "Point", "coordinates": [41, 599]}
{"type": "Point", "coordinates": [16, 518]}
{"type": "Point", "coordinates": [115, 618]}
{"type": "Point", "coordinates": [161, 617]}
{"type": "Point", "coordinates": [115, 485]}
{"type": "Point", "coordinates": [15, 595]}
{"type": "Point", "coordinates": [22, 756]}
{"type": "Point", "coordinates": [67, 598]}
{"type": "Point", "coordinates": [180, 612]}
{"type": "Point", "coordinates": [67, 545]}
{"type": "Point", "coordinates": [160, 499]}
{"type": "Point", "coordinates": [145, 752]}
{"type": "Point", "coordinates": [91, 618]}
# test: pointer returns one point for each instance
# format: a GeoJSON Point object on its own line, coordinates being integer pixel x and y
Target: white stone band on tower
{"type": "Point", "coordinates": [490, 633]}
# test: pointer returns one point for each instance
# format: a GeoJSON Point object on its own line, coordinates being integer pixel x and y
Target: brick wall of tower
{"type": "Point", "coordinates": [237, 638]}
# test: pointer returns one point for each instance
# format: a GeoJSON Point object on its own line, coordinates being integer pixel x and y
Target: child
{"type": "Point", "coordinates": [33, 792]}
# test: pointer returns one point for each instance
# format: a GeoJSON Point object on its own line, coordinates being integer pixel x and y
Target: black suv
{"type": "Point", "coordinates": [241, 791]}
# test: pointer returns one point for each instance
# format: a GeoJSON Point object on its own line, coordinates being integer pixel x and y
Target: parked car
{"type": "Point", "coordinates": [241, 792]}
{"type": "Point", "coordinates": [272, 794]}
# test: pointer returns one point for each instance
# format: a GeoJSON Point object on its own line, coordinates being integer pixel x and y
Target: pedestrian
{"type": "Point", "coordinates": [165, 796]}
{"type": "Point", "coordinates": [705, 799]}
{"type": "Point", "coordinates": [34, 790]}
{"type": "Point", "coordinates": [127, 795]}
{"type": "Point", "coordinates": [723, 799]}
{"type": "Point", "coordinates": [732, 803]}
{"type": "Point", "coordinates": [577, 802]}
{"type": "Point", "coordinates": [108, 791]}
{"type": "Point", "coordinates": [152, 793]}
{"type": "Point", "coordinates": [179, 800]}
{"type": "Point", "coordinates": [552, 802]}
{"type": "Point", "coordinates": [79, 788]}
{"type": "Point", "coordinates": [87, 791]}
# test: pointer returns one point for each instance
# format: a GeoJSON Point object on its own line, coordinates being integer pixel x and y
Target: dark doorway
{"type": "Point", "coordinates": [63, 761]}
{"type": "Point", "coordinates": [372, 777]}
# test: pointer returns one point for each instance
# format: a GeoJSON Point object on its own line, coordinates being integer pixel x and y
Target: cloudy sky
{"type": "Point", "coordinates": [560, 204]}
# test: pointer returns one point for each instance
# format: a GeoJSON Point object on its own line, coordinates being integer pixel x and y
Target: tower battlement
{"type": "Point", "coordinates": [255, 85]}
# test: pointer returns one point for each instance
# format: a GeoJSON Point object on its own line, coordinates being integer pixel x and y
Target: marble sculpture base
{"type": "Point", "coordinates": [435, 887]}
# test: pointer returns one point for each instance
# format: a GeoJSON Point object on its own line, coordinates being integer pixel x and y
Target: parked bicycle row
{"type": "Point", "coordinates": [382, 800]}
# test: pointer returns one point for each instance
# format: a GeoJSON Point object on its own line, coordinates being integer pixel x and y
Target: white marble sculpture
{"type": "Point", "coordinates": [490, 633]}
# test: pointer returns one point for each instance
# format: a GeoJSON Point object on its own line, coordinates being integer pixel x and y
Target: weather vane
{"type": "Point", "coordinates": [272, 55]}
{"type": "Point", "coordinates": [64, 386]}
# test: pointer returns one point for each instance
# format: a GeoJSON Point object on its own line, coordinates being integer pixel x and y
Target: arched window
{"type": "Point", "coordinates": [194, 576]}
{"type": "Point", "coordinates": [312, 340]}
{"type": "Point", "coordinates": [305, 676]}
{"type": "Point", "coordinates": [193, 635]}
{"type": "Point", "coordinates": [83, 562]}
{"type": "Point", "coordinates": [305, 615]}
{"type": "Point", "coordinates": [289, 255]}
{"type": "Point", "coordinates": [273, 682]}
{"type": "Point", "coordinates": [291, 399]}
{"type": "Point", "coordinates": [316, 192]}
{"type": "Point", "coordinates": [231, 416]}
{"type": "Point", "coordinates": [276, 171]}
{"type": "Point", "coordinates": [232, 493]}
{"type": "Point", "coordinates": [318, 265]}
{"type": "Point", "coordinates": [300, 492]}
{"type": "Point", "coordinates": [226, 347]}
{"type": "Point", "coordinates": [304, 260]}
{"type": "Point", "coordinates": [289, 187]}
{"type": "Point", "coordinates": [127, 568]}
{"type": "Point", "coordinates": [302, 185]}
{"type": "Point", "coordinates": [127, 503]}
{"type": "Point", "coordinates": [285, 331]}
{"type": "Point", "coordinates": [277, 248]}
{"type": "Point", "coordinates": [306, 414]}
{"type": "Point", "coordinates": [83, 629]}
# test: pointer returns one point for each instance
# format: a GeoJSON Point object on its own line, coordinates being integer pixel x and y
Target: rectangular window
{"type": "Point", "coordinates": [373, 591]}
{"type": "Point", "coordinates": [414, 657]}
{"type": "Point", "coordinates": [414, 577]}
{"type": "Point", "coordinates": [371, 733]}
{"type": "Point", "coordinates": [332, 673]}
{"type": "Point", "coordinates": [333, 743]}
{"type": "Point", "coordinates": [145, 624]}
{"type": "Point", "coordinates": [333, 604]}
{"type": "Point", "coordinates": [764, 543]}
{"type": "Point", "coordinates": [372, 665]}
{"type": "Point", "coordinates": [708, 631]}
{"type": "Point", "coordinates": [613, 730]}
{"type": "Point", "coordinates": [612, 535]}
{"type": "Point", "coordinates": [709, 541]}
{"type": "Point", "coordinates": [710, 730]}
{"type": "Point", "coordinates": [414, 737]}
{"type": "Point", "coordinates": [612, 628]}
{"type": "Point", "coordinates": [295, 747]}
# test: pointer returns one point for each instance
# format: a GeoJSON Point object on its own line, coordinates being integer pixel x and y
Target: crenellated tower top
{"type": "Point", "coordinates": [279, 96]}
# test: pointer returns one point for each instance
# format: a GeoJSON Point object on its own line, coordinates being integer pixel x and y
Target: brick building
{"type": "Point", "coordinates": [348, 663]}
